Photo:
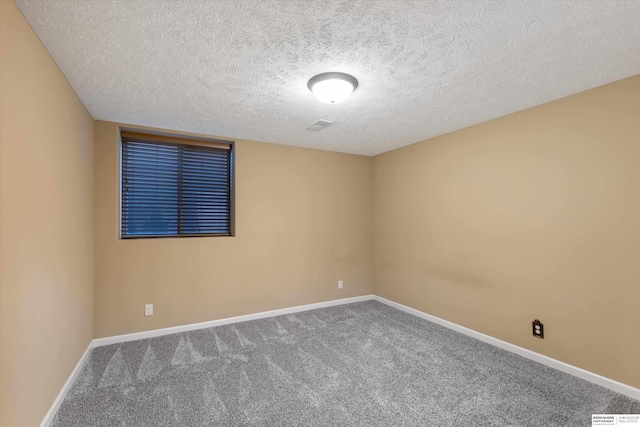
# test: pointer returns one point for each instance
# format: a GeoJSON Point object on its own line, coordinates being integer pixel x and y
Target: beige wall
{"type": "Point", "coordinates": [46, 293]}
{"type": "Point", "coordinates": [303, 222]}
{"type": "Point", "coordinates": [533, 215]}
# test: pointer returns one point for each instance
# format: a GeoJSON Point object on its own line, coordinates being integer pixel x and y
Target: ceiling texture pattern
{"type": "Point", "coordinates": [239, 69]}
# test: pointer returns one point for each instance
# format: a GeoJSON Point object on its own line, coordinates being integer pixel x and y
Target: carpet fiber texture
{"type": "Point", "coordinates": [362, 364]}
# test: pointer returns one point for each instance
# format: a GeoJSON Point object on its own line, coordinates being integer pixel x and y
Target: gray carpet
{"type": "Point", "coordinates": [362, 364]}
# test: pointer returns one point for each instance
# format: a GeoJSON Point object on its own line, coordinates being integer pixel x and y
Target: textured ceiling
{"type": "Point", "coordinates": [239, 69]}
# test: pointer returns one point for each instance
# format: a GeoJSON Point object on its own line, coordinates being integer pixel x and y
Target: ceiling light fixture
{"type": "Point", "coordinates": [332, 88]}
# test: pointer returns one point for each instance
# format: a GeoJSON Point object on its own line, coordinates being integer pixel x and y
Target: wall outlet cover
{"type": "Point", "coordinates": [538, 329]}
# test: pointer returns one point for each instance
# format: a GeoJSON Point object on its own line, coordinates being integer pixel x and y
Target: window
{"type": "Point", "coordinates": [175, 187]}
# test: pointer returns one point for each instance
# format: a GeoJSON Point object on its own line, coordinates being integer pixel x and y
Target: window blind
{"type": "Point", "coordinates": [174, 188]}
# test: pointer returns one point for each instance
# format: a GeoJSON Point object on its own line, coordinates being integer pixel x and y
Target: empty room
{"type": "Point", "coordinates": [319, 213]}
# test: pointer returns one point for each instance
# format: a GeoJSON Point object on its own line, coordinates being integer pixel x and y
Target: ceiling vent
{"type": "Point", "coordinates": [319, 125]}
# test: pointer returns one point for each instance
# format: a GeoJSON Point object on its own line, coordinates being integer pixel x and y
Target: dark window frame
{"type": "Point", "coordinates": [176, 141]}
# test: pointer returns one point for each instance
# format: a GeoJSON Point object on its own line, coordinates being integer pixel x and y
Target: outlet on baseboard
{"type": "Point", "coordinates": [340, 284]}
{"type": "Point", "coordinates": [148, 309]}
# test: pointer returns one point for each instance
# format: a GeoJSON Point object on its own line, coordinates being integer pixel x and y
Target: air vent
{"type": "Point", "coordinates": [320, 124]}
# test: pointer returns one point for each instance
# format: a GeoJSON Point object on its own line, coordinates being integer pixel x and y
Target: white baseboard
{"type": "Point", "coordinates": [66, 387]}
{"type": "Point", "coordinates": [98, 342]}
{"type": "Point", "coordinates": [605, 382]}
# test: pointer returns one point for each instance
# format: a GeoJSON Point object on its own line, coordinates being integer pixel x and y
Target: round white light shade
{"type": "Point", "coordinates": [332, 88]}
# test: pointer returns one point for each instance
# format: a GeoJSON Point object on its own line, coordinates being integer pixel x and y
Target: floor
{"type": "Point", "coordinates": [361, 364]}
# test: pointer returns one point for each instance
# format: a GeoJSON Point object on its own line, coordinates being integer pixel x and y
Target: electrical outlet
{"type": "Point", "coordinates": [537, 329]}
{"type": "Point", "coordinates": [148, 309]}
{"type": "Point", "coordinates": [339, 284]}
